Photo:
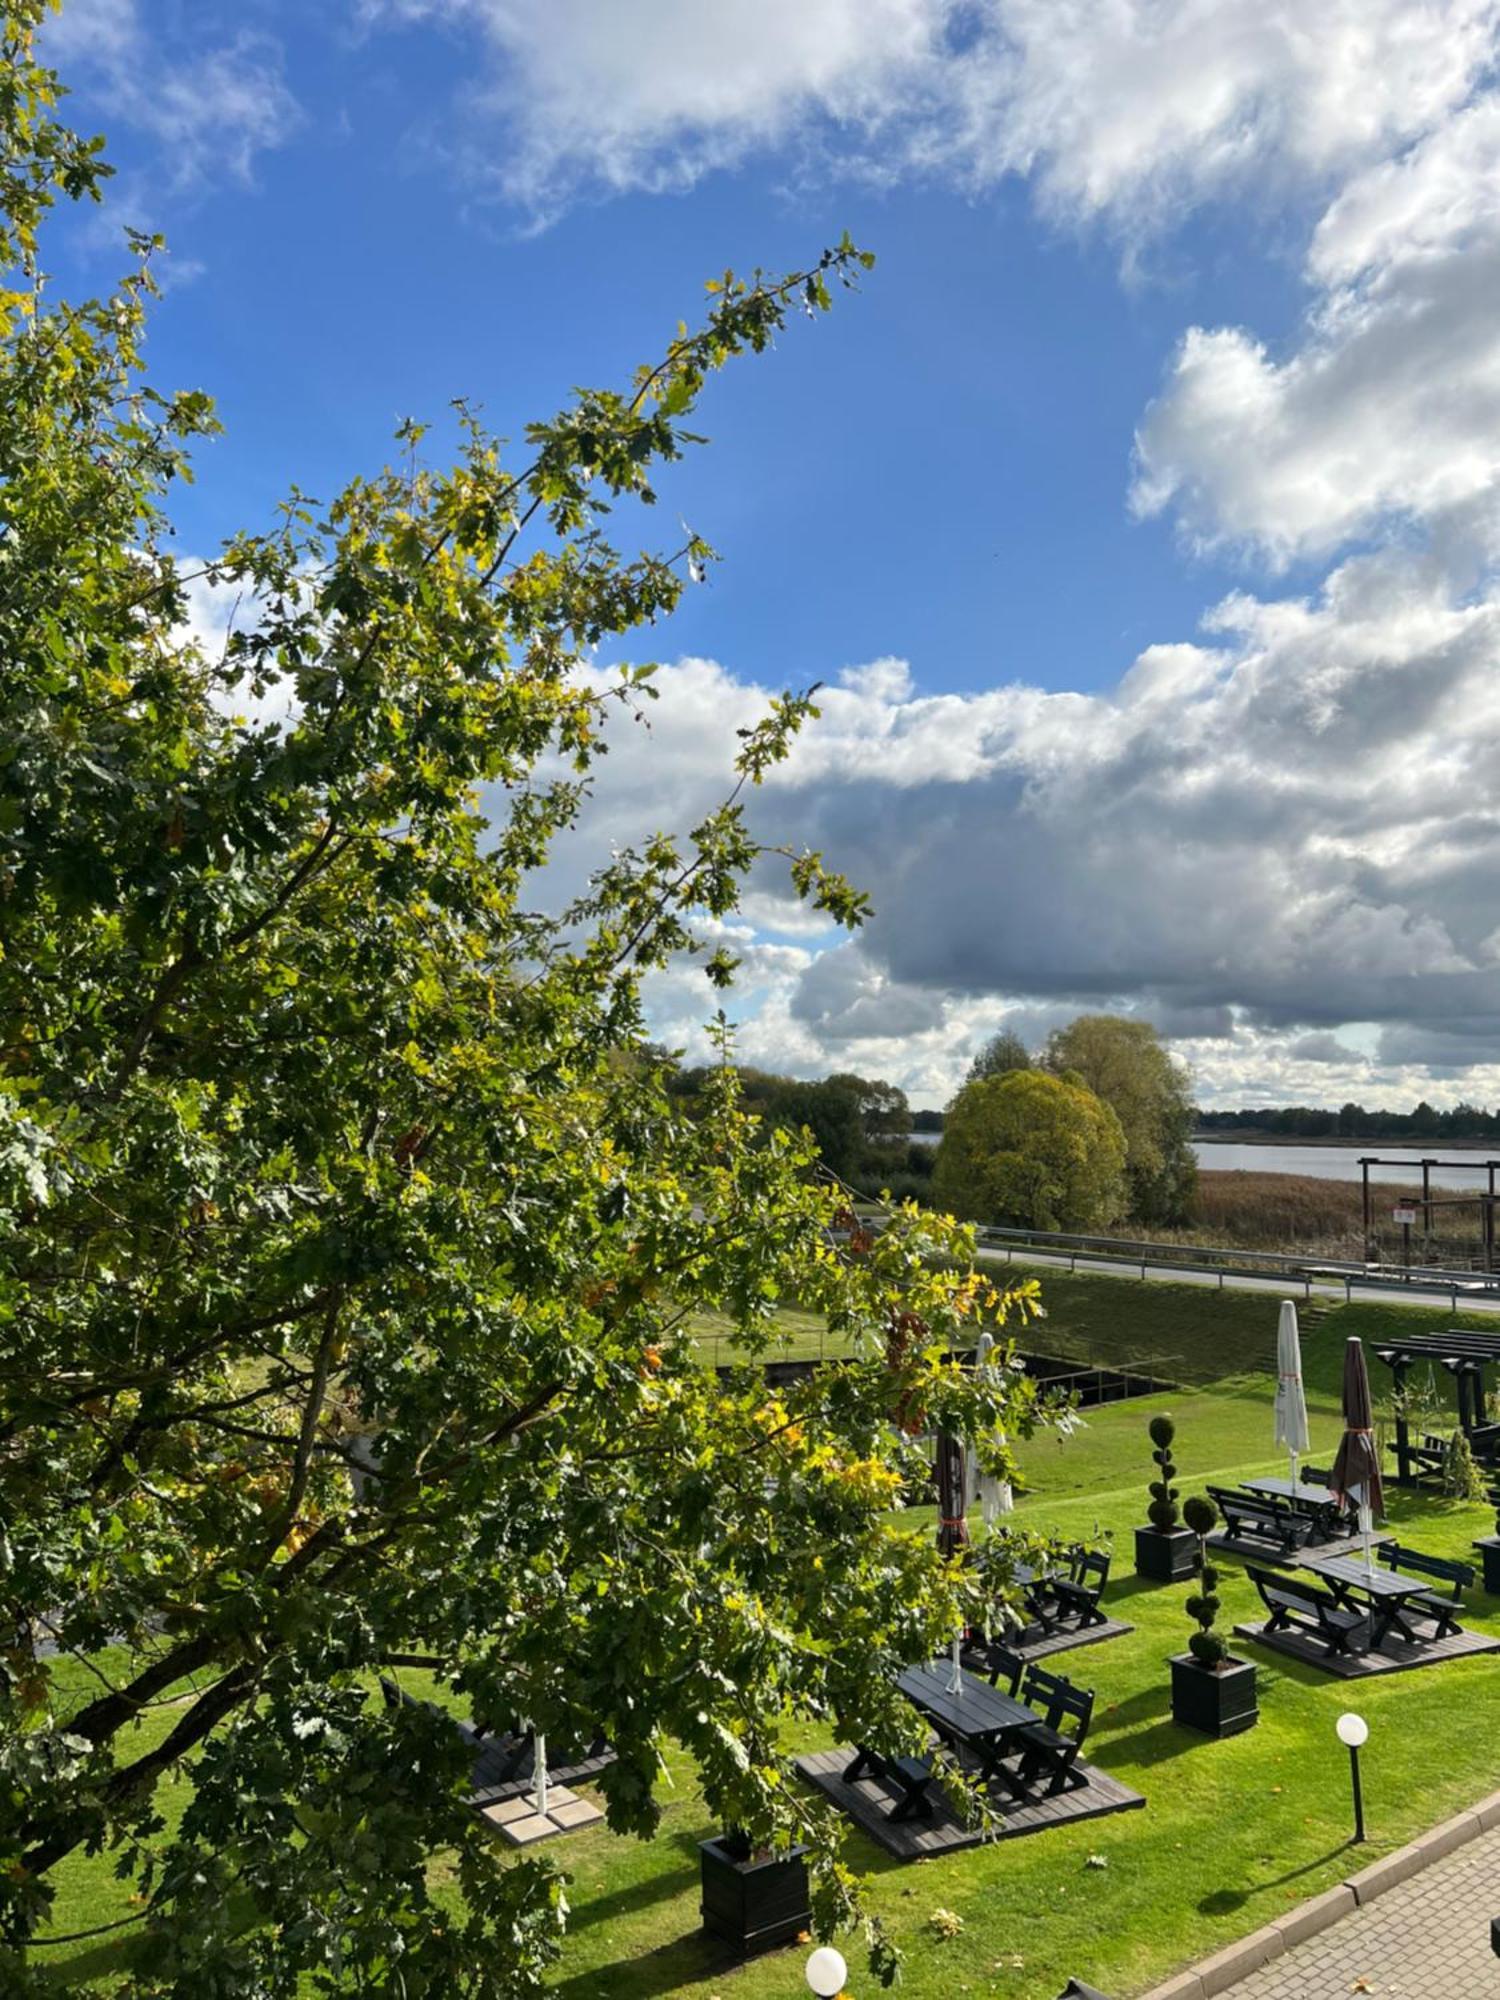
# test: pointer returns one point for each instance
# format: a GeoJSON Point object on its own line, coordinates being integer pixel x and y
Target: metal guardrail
{"type": "Point", "coordinates": [1225, 1261]}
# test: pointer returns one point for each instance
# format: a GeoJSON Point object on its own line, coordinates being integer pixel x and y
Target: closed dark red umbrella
{"type": "Point", "coordinates": [953, 1523]}
{"type": "Point", "coordinates": [1356, 1468]}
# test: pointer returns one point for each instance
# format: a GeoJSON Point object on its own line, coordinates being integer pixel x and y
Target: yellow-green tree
{"type": "Point", "coordinates": [323, 1154]}
{"type": "Point", "coordinates": [1033, 1150]}
{"type": "Point", "coordinates": [1125, 1063]}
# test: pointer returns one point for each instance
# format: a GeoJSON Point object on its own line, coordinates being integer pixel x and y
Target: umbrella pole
{"type": "Point", "coordinates": [956, 1678]}
{"type": "Point", "coordinates": [1293, 1456]}
{"type": "Point", "coordinates": [1367, 1533]}
{"type": "Point", "coordinates": [541, 1775]}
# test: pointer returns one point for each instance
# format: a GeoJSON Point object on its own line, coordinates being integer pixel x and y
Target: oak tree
{"type": "Point", "coordinates": [350, 1240]}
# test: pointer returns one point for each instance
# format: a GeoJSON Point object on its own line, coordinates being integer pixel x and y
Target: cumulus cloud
{"type": "Point", "coordinates": [1129, 110]}
{"type": "Point", "coordinates": [1322, 1047]}
{"type": "Point", "coordinates": [1274, 838]}
{"type": "Point", "coordinates": [1385, 410]}
{"type": "Point", "coordinates": [1254, 837]}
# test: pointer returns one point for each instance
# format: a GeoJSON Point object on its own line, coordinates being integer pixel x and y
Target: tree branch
{"type": "Point", "coordinates": [312, 1412]}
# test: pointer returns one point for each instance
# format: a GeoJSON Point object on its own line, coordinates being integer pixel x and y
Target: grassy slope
{"type": "Point", "coordinates": [1233, 1832]}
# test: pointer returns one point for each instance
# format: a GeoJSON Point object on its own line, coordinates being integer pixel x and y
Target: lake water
{"type": "Point", "coordinates": [1340, 1163]}
{"type": "Point", "coordinates": [1329, 1163]}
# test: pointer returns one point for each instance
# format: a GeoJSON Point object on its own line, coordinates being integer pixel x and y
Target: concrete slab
{"type": "Point", "coordinates": [1237, 1961]}
{"type": "Point", "coordinates": [1316, 1914]}
{"type": "Point", "coordinates": [1387, 1873]}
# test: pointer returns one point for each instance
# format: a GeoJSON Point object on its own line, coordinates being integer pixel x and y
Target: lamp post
{"type": "Point", "coordinates": [1352, 1731]}
{"type": "Point", "coordinates": [826, 1972]}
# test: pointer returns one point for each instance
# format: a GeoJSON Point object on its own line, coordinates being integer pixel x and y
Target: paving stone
{"type": "Point", "coordinates": [507, 1811]}
{"type": "Point", "coordinates": [1424, 1938]}
{"type": "Point", "coordinates": [574, 1813]}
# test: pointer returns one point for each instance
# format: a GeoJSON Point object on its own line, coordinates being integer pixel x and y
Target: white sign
{"type": "Point", "coordinates": [1404, 1213]}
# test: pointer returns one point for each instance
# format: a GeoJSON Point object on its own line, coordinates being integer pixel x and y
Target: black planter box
{"type": "Point", "coordinates": [1217, 1704]}
{"type": "Point", "coordinates": [1166, 1556]}
{"type": "Point", "coordinates": [753, 1905]}
{"type": "Point", "coordinates": [1489, 1547]}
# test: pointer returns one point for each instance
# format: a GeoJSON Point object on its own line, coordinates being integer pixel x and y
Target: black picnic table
{"type": "Point", "coordinates": [980, 1717]}
{"type": "Point", "coordinates": [1384, 1593]}
{"type": "Point", "coordinates": [1306, 1498]}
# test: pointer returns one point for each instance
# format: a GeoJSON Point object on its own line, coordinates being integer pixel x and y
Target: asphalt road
{"type": "Point", "coordinates": [1281, 1286]}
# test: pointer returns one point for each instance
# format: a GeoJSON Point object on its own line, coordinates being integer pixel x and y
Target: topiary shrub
{"type": "Point", "coordinates": [1206, 1645]}
{"type": "Point", "coordinates": [1461, 1476]}
{"type": "Point", "coordinates": [1162, 1513]}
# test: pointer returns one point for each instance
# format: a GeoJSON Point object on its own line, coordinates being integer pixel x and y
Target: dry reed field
{"type": "Point", "coordinates": [1300, 1212]}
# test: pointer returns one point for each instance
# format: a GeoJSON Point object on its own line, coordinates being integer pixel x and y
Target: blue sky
{"type": "Point", "coordinates": [1161, 298]}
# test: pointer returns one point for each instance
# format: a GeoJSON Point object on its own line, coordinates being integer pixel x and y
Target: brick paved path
{"type": "Point", "coordinates": [1426, 1939]}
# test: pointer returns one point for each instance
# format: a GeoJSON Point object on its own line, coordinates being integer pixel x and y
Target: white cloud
{"type": "Point", "coordinates": [1385, 413]}
{"type": "Point", "coordinates": [1135, 108]}
{"type": "Point", "coordinates": [656, 94]}
{"type": "Point", "coordinates": [1252, 842]}
{"type": "Point", "coordinates": [1129, 109]}
{"type": "Point", "coordinates": [211, 108]}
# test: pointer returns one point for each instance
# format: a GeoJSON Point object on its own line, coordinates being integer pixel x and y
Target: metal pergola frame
{"type": "Point", "coordinates": [1464, 1356]}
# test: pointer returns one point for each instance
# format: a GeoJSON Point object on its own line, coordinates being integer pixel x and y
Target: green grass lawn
{"type": "Point", "coordinates": [1232, 1833]}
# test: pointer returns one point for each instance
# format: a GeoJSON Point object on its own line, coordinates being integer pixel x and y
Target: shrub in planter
{"type": "Point", "coordinates": [1162, 1513]}
{"type": "Point", "coordinates": [1211, 1690]}
{"type": "Point", "coordinates": [1462, 1479]}
{"type": "Point", "coordinates": [1206, 1645]}
{"type": "Point", "coordinates": [1165, 1549]}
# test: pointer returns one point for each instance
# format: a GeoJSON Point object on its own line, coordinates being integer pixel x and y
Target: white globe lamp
{"type": "Point", "coordinates": [826, 1972]}
{"type": "Point", "coordinates": [1352, 1731]}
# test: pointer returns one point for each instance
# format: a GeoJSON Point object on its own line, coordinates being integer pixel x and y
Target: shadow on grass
{"type": "Point", "coordinates": [83, 1968]}
{"type": "Point", "coordinates": [1154, 1745]}
{"type": "Point", "coordinates": [1224, 1902]}
{"type": "Point", "coordinates": [1133, 1586]}
{"type": "Point", "coordinates": [633, 1896]}
{"type": "Point", "coordinates": [671, 1965]}
{"type": "Point", "coordinates": [1149, 1701]}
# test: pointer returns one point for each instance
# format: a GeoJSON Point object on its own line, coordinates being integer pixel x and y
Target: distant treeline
{"type": "Point", "coordinates": [1354, 1121]}
{"type": "Point", "coordinates": [862, 1124]}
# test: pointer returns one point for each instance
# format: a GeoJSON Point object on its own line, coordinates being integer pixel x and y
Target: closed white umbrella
{"type": "Point", "coordinates": [1291, 1403]}
{"type": "Point", "coordinates": [995, 1495]}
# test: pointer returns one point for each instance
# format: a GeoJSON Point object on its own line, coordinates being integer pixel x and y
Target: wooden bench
{"type": "Point", "coordinates": [1078, 1593]}
{"type": "Point", "coordinates": [1459, 1576]}
{"type": "Point", "coordinates": [1294, 1603]}
{"type": "Point", "coordinates": [910, 1776]}
{"type": "Point", "coordinates": [1428, 1457]}
{"type": "Point", "coordinates": [1000, 1666]}
{"type": "Point", "coordinates": [1047, 1750]}
{"type": "Point", "coordinates": [1263, 1516]}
